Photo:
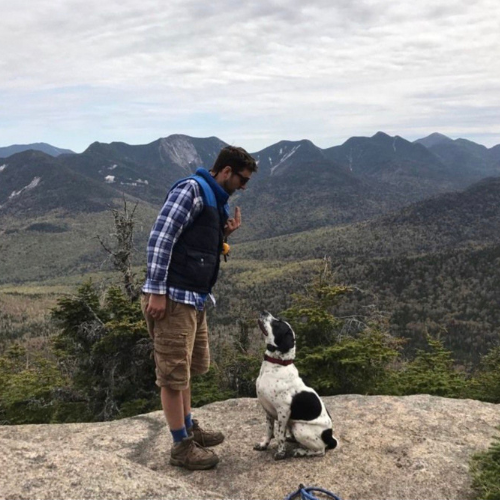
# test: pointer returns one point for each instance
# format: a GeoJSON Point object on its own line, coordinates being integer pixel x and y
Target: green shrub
{"type": "Point", "coordinates": [27, 384]}
{"type": "Point", "coordinates": [335, 357]}
{"type": "Point", "coordinates": [209, 388]}
{"type": "Point", "coordinates": [70, 412]}
{"type": "Point", "coordinates": [485, 384]}
{"type": "Point", "coordinates": [106, 347]}
{"type": "Point", "coordinates": [139, 406]}
{"type": "Point", "coordinates": [485, 469]}
{"type": "Point", "coordinates": [431, 372]}
{"type": "Point", "coordinates": [357, 365]}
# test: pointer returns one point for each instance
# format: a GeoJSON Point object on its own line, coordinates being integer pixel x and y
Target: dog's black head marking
{"type": "Point", "coordinates": [283, 335]}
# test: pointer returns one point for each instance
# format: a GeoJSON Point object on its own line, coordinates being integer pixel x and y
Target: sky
{"type": "Point", "coordinates": [250, 73]}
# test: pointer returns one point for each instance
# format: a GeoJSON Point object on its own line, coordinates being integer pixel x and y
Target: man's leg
{"type": "Point", "coordinates": [173, 339]}
{"type": "Point", "coordinates": [172, 402]}
{"type": "Point", "coordinates": [186, 401]}
{"type": "Point", "coordinates": [200, 364]}
{"type": "Point", "coordinates": [173, 409]}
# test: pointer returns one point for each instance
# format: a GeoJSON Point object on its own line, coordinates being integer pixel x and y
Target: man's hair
{"type": "Point", "coordinates": [237, 158]}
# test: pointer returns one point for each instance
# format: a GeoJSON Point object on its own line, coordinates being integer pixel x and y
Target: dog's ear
{"type": "Point", "coordinates": [283, 337]}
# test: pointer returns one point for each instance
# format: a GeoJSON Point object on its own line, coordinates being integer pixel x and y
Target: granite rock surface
{"type": "Point", "coordinates": [401, 448]}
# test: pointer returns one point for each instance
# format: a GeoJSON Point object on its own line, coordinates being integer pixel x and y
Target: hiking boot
{"type": "Point", "coordinates": [203, 437]}
{"type": "Point", "coordinates": [192, 456]}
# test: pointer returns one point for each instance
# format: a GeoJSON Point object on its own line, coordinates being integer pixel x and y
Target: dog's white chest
{"type": "Point", "coordinates": [276, 385]}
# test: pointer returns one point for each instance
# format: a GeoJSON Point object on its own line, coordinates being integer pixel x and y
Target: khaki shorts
{"type": "Point", "coordinates": [180, 343]}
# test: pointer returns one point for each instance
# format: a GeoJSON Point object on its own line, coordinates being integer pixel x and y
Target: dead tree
{"type": "Point", "coordinates": [121, 253]}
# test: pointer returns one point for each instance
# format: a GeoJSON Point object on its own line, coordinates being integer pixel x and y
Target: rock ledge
{"type": "Point", "coordinates": [400, 448]}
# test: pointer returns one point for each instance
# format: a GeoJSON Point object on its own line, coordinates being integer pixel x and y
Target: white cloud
{"type": "Point", "coordinates": [252, 74]}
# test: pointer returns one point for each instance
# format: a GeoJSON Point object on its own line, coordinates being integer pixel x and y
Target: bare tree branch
{"type": "Point", "coordinates": [122, 252]}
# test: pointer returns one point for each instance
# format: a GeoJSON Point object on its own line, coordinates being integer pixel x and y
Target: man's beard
{"type": "Point", "coordinates": [227, 189]}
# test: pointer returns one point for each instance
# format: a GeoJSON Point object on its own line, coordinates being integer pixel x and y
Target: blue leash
{"type": "Point", "coordinates": [305, 493]}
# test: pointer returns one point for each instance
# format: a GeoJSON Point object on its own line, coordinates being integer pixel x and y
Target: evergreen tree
{"type": "Point", "coordinates": [336, 357]}
{"type": "Point", "coordinates": [27, 385]}
{"type": "Point", "coordinates": [311, 313]}
{"type": "Point", "coordinates": [485, 385]}
{"type": "Point", "coordinates": [431, 372]}
{"type": "Point", "coordinates": [354, 364]}
{"type": "Point", "coordinates": [108, 351]}
{"type": "Point", "coordinates": [485, 469]}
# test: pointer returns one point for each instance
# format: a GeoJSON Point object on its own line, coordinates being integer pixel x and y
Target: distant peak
{"type": "Point", "coordinates": [176, 137]}
{"type": "Point", "coordinates": [300, 142]}
{"type": "Point", "coordinates": [173, 137]}
{"type": "Point", "coordinates": [287, 143]}
{"type": "Point", "coordinates": [433, 139]}
{"type": "Point", "coordinates": [381, 136]}
{"type": "Point", "coordinates": [437, 135]}
{"type": "Point", "coordinates": [36, 146]}
{"type": "Point", "coordinates": [95, 146]}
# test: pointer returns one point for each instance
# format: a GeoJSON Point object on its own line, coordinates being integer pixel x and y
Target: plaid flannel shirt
{"type": "Point", "coordinates": [181, 207]}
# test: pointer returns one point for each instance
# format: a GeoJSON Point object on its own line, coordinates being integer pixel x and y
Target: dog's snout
{"type": "Point", "coordinates": [262, 327]}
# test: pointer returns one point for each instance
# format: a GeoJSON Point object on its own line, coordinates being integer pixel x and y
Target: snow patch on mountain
{"type": "Point", "coordinates": [3, 167]}
{"type": "Point", "coordinates": [109, 179]}
{"type": "Point", "coordinates": [350, 159]}
{"type": "Point", "coordinates": [285, 157]}
{"type": "Point", "coordinates": [33, 184]}
{"type": "Point", "coordinates": [138, 182]}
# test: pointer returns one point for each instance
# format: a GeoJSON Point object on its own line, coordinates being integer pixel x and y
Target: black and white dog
{"type": "Point", "coordinates": [286, 399]}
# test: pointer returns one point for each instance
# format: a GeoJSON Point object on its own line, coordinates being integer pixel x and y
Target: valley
{"type": "Point", "coordinates": [412, 227]}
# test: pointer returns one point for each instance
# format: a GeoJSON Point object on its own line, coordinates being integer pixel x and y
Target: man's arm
{"type": "Point", "coordinates": [183, 204]}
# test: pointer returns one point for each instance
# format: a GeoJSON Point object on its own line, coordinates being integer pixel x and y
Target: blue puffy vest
{"type": "Point", "coordinates": [195, 261]}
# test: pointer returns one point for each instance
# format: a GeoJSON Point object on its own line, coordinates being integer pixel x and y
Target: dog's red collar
{"type": "Point", "coordinates": [284, 362]}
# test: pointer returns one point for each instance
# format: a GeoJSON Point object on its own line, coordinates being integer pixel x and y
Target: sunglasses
{"type": "Point", "coordinates": [243, 179]}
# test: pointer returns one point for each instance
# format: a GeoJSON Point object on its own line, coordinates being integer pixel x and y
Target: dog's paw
{"type": "Point", "coordinates": [301, 452]}
{"type": "Point", "coordinates": [298, 452]}
{"type": "Point", "coordinates": [279, 455]}
{"type": "Point", "coordinates": [260, 446]}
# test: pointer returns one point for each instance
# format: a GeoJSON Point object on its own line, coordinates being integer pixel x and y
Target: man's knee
{"type": "Point", "coordinates": [200, 362]}
{"type": "Point", "coordinates": [200, 369]}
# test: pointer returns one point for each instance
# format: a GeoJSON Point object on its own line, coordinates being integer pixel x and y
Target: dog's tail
{"type": "Point", "coordinates": [328, 439]}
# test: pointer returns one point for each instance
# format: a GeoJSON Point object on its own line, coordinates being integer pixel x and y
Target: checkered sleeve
{"type": "Point", "coordinates": [182, 205]}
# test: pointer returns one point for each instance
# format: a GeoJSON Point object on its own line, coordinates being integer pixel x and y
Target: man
{"type": "Point", "coordinates": [183, 261]}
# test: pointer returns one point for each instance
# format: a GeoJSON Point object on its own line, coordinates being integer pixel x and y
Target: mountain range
{"type": "Point", "coordinates": [299, 187]}
{"type": "Point", "coordinates": [432, 267]}
{"type": "Point", "coordinates": [414, 226]}
{"type": "Point", "coordinates": [38, 146]}
{"type": "Point", "coordinates": [466, 157]}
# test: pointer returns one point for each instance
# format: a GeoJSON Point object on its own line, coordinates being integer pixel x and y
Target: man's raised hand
{"type": "Point", "coordinates": [233, 223]}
